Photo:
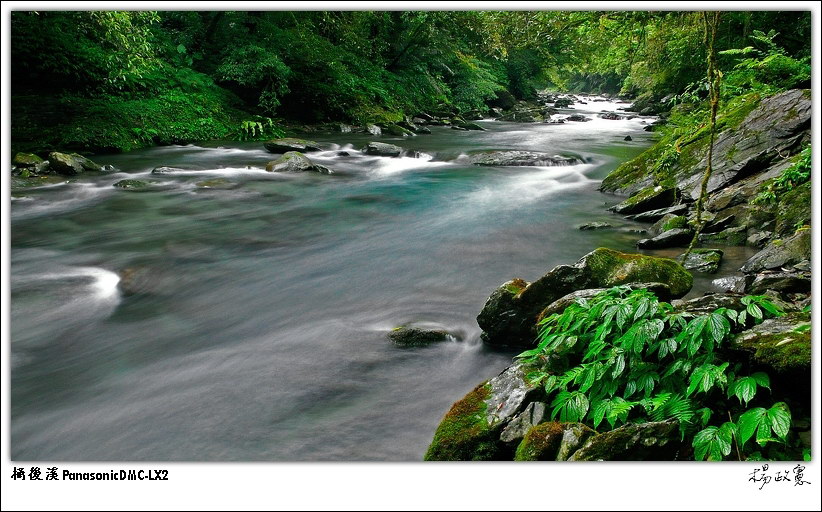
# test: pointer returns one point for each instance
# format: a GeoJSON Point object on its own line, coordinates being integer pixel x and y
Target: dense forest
{"type": "Point", "coordinates": [121, 80]}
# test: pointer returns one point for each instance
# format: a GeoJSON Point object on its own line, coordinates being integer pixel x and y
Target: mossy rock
{"type": "Point", "coordinates": [541, 442]}
{"type": "Point", "coordinates": [608, 268]}
{"type": "Point", "coordinates": [782, 344]}
{"type": "Point", "coordinates": [676, 222]}
{"type": "Point", "coordinates": [291, 144]}
{"type": "Point", "coordinates": [702, 260]}
{"type": "Point", "coordinates": [651, 198]}
{"type": "Point", "coordinates": [26, 160]}
{"type": "Point", "coordinates": [732, 236]}
{"type": "Point", "coordinates": [406, 336]}
{"type": "Point", "coordinates": [794, 210]}
{"type": "Point", "coordinates": [294, 161]}
{"type": "Point", "coordinates": [134, 184]}
{"type": "Point", "coordinates": [464, 433]}
{"type": "Point", "coordinates": [635, 441]}
{"type": "Point", "coordinates": [779, 253]}
{"type": "Point", "coordinates": [382, 149]}
{"type": "Point", "coordinates": [64, 164]}
{"type": "Point", "coordinates": [397, 131]}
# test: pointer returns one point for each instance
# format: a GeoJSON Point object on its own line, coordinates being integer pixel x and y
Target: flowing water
{"type": "Point", "coordinates": [236, 314]}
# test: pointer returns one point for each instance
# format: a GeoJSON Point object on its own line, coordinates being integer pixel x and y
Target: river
{"type": "Point", "coordinates": [260, 303]}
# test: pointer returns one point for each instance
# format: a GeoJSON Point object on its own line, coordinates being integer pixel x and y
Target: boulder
{"type": "Point", "coordinates": [650, 198]}
{"type": "Point", "coordinates": [405, 336]}
{"type": "Point", "coordinates": [782, 282]}
{"type": "Point", "coordinates": [294, 161]}
{"type": "Point", "coordinates": [676, 237]}
{"type": "Point", "coordinates": [628, 138]}
{"type": "Point", "coordinates": [579, 118]}
{"type": "Point", "coordinates": [659, 440]}
{"type": "Point", "coordinates": [373, 129]}
{"type": "Point", "coordinates": [655, 215]}
{"type": "Point", "coordinates": [780, 344]}
{"type": "Point", "coordinates": [780, 253]}
{"type": "Point", "coordinates": [522, 116]}
{"type": "Point", "coordinates": [291, 144]}
{"type": "Point", "coordinates": [734, 284]}
{"type": "Point", "coordinates": [65, 164]}
{"type": "Point", "coordinates": [731, 236]}
{"type": "Point", "coordinates": [471, 428]}
{"type": "Point", "coordinates": [534, 414]}
{"type": "Point", "coordinates": [510, 314]}
{"type": "Point", "coordinates": [522, 158]}
{"type": "Point", "coordinates": [423, 130]}
{"type": "Point", "coordinates": [667, 223]}
{"type": "Point", "coordinates": [397, 131]}
{"type": "Point", "coordinates": [709, 303]}
{"type": "Point", "coordinates": [702, 260]}
{"type": "Point", "coordinates": [86, 164]}
{"type": "Point", "coordinates": [611, 116]}
{"type": "Point", "coordinates": [382, 149]}
{"type": "Point", "coordinates": [29, 160]}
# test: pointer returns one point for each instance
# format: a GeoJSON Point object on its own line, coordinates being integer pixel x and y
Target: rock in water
{"type": "Point", "coordinates": [594, 225]}
{"type": "Point", "coordinates": [294, 161]}
{"type": "Point", "coordinates": [64, 164]}
{"type": "Point", "coordinates": [416, 337]}
{"type": "Point", "coordinates": [676, 237]}
{"type": "Point", "coordinates": [26, 160]}
{"type": "Point", "coordinates": [702, 260]}
{"type": "Point", "coordinates": [382, 149]}
{"type": "Point", "coordinates": [780, 253]}
{"type": "Point", "coordinates": [523, 158]}
{"type": "Point", "coordinates": [291, 144]}
{"type": "Point", "coordinates": [510, 314]}
{"type": "Point", "coordinates": [650, 198]}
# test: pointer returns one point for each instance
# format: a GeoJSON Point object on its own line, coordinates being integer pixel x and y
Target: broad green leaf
{"type": "Point", "coordinates": [762, 379]}
{"type": "Point", "coordinates": [779, 418]}
{"type": "Point", "coordinates": [749, 422]}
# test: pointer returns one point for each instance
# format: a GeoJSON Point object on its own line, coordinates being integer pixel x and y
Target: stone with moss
{"type": "Point", "coordinates": [594, 225]}
{"type": "Point", "coordinates": [382, 149]}
{"type": "Point", "coordinates": [287, 144]}
{"type": "Point", "coordinates": [651, 198]}
{"type": "Point", "coordinates": [702, 260]}
{"type": "Point", "coordinates": [782, 344]}
{"type": "Point", "coordinates": [779, 253]}
{"type": "Point", "coordinates": [540, 443]}
{"type": "Point", "coordinates": [294, 161]}
{"type": "Point", "coordinates": [659, 213]}
{"type": "Point", "coordinates": [471, 428]}
{"type": "Point", "coordinates": [794, 209]}
{"type": "Point", "coordinates": [674, 237]}
{"type": "Point", "coordinates": [397, 131]}
{"type": "Point", "coordinates": [732, 236]}
{"type": "Point", "coordinates": [64, 164]}
{"type": "Point", "coordinates": [608, 268]}
{"type": "Point", "coordinates": [408, 336]}
{"type": "Point", "coordinates": [659, 440]}
{"type": "Point", "coordinates": [26, 160]}
{"type": "Point", "coordinates": [510, 314]}
{"type": "Point", "coordinates": [134, 184]}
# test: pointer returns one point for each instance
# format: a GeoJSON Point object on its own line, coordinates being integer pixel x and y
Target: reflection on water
{"type": "Point", "coordinates": [236, 314]}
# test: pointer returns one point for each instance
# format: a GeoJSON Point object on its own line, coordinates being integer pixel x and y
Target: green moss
{"type": "Point", "coordinates": [786, 351]}
{"type": "Point", "coordinates": [542, 442]}
{"type": "Point", "coordinates": [464, 433]}
{"type": "Point", "coordinates": [794, 209]}
{"type": "Point", "coordinates": [515, 286]}
{"type": "Point", "coordinates": [611, 268]}
{"type": "Point", "coordinates": [677, 222]}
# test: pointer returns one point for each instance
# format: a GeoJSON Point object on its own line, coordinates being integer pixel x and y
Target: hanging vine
{"type": "Point", "coordinates": [711, 23]}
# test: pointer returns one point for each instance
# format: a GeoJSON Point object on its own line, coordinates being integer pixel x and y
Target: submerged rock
{"type": "Point", "coordinates": [416, 337]}
{"type": "Point", "coordinates": [294, 161]}
{"type": "Point", "coordinates": [522, 158]}
{"type": "Point", "coordinates": [382, 149]}
{"type": "Point", "coordinates": [290, 144]}
{"type": "Point", "coordinates": [594, 225]}
{"type": "Point", "coordinates": [134, 184]}
{"type": "Point", "coordinates": [702, 260]}
{"type": "Point", "coordinates": [166, 170]}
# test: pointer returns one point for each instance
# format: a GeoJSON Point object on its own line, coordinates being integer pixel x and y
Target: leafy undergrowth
{"type": "Point", "coordinates": [624, 356]}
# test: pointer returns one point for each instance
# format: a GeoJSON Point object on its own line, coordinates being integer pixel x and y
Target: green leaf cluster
{"type": "Point", "coordinates": [624, 356]}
